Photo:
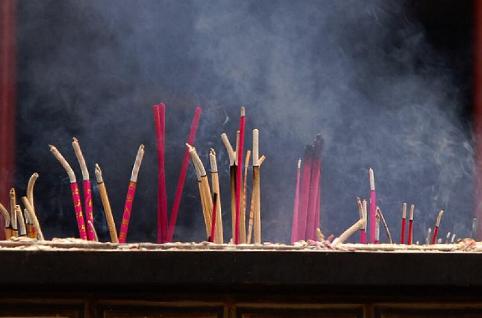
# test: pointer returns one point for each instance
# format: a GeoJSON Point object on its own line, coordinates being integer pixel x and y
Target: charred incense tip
{"type": "Point", "coordinates": [439, 218]}
{"type": "Point", "coordinates": [371, 177]}
{"type": "Point", "coordinates": [80, 159]}
{"type": "Point", "coordinates": [33, 217]}
{"type": "Point", "coordinates": [360, 207]}
{"type": "Point", "coordinates": [412, 211]}
{"type": "Point", "coordinates": [427, 239]}
{"type": "Point", "coordinates": [137, 163]}
{"type": "Point", "coordinates": [404, 210]}
{"type": "Point", "coordinates": [212, 161]}
{"type": "Point", "coordinates": [98, 174]}
{"type": "Point", "coordinates": [243, 111]}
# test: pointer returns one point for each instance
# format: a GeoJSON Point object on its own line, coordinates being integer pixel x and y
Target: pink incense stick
{"type": "Point", "coordinates": [437, 225]}
{"type": "Point", "coordinates": [404, 220]}
{"type": "Point", "coordinates": [74, 187]}
{"type": "Point", "coordinates": [310, 232]}
{"type": "Point", "coordinates": [373, 205]}
{"type": "Point", "coordinates": [213, 218]}
{"type": "Point", "coordinates": [294, 226]}
{"type": "Point", "coordinates": [88, 208]}
{"type": "Point", "coordinates": [239, 172]}
{"type": "Point", "coordinates": [410, 225]}
{"type": "Point", "coordinates": [160, 125]}
{"type": "Point", "coordinates": [182, 176]}
{"type": "Point", "coordinates": [304, 192]}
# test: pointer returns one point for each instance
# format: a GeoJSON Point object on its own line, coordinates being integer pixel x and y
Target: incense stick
{"type": "Point", "coordinates": [319, 235]}
{"type": "Point", "coordinates": [348, 232]}
{"type": "Point", "coordinates": [104, 197]}
{"type": "Point", "coordinates": [31, 232]}
{"type": "Point", "coordinates": [361, 212]}
{"type": "Point", "coordinates": [87, 188]}
{"type": "Point", "coordinates": [242, 222]}
{"type": "Point", "coordinates": [305, 191]}
{"type": "Point", "coordinates": [404, 220]}
{"type": "Point", "coordinates": [437, 225]}
{"type": "Point", "coordinates": [239, 175]}
{"type": "Point", "coordinates": [13, 217]}
{"type": "Point", "coordinates": [22, 230]}
{"type": "Point", "coordinates": [74, 188]}
{"type": "Point", "coordinates": [296, 204]}
{"type": "Point", "coordinates": [410, 224]}
{"type": "Point", "coordinates": [373, 204]}
{"type": "Point", "coordinates": [92, 228]}
{"type": "Point", "coordinates": [257, 161]}
{"type": "Point", "coordinates": [33, 217]}
{"type": "Point", "coordinates": [182, 175]}
{"type": "Point", "coordinates": [385, 225]}
{"type": "Point", "coordinates": [160, 125]}
{"type": "Point", "coordinates": [314, 188]}
{"type": "Point", "coordinates": [212, 235]}
{"type": "Point", "coordinates": [377, 229]}
{"type": "Point", "coordinates": [131, 192]}
{"type": "Point", "coordinates": [232, 180]}
{"type": "Point", "coordinates": [427, 238]}
{"type": "Point", "coordinates": [30, 187]}
{"type": "Point", "coordinates": [219, 238]}
{"type": "Point", "coordinates": [6, 218]}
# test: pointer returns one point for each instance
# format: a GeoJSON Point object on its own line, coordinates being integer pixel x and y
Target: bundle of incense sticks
{"type": "Point", "coordinates": [307, 214]}
{"type": "Point", "coordinates": [160, 124]}
{"type": "Point", "coordinates": [437, 225]}
{"type": "Point", "coordinates": [131, 192]}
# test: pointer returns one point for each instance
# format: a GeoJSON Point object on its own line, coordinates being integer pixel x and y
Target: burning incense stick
{"type": "Point", "coordinates": [13, 217]}
{"type": "Point", "coordinates": [160, 125]}
{"type": "Point", "coordinates": [182, 176]}
{"type": "Point", "coordinates": [232, 180]}
{"type": "Point", "coordinates": [74, 188]}
{"type": "Point", "coordinates": [349, 232]}
{"type": "Point", "coordinates": [239, 175]}
{"type": "Point", "coordinates": [373, 204]}
{"type": "Point", "coordinates": [294, 226]}
{"type": "Point", "coordinates": [87, 188]}
{"type": "Point", "coordinates": [6, 218]}
{"type": "Point", "coordinates": [385, 225]}
{"type": "Point", "coordinates": [437, 225]}
{"type": "Point", "coordinates": [213, 219]}
{"type": "Point", "coordinates": [92, 228]}
{"type": "Point", "coordinates": [22, 230]}
{"type": "Point", "coordinates": [243, 201]}
{"type": "Point", "coordinates": [104, 197]}
{"type": "Point", "coordinates": [131, 192]}
{"type": "Point", "coordinates": [404, 220]}
{"type": "Point", "coordinates": [205, 191]}
{"type": "Point", "coordinates": [361, 212]}
{"type": "Point", "coordinates": [33, 217]}
{"type": "Point", "coordinates": [410, 224]}
{"type": "Point", "coordinates": [30, 187]}
{"type": "Point", "coordinates": [219, 238]}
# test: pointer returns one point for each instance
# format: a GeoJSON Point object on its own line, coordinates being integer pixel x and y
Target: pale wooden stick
{"type": "Point", "coordinates": [80, 159]}
{"type": "Point", "coordinates": [30, 187]}
{"type": "Point", "coordinates": [106, 204]}
{"type": "Point", "coordinates": [6, 215]}
{"type": "Point", "coordinates": [137, 164]}
{"type": "Point", "coordinates": [385, 225]}
{"type": "Point", "coordinates": [22, 230]}
{"type": "Point", "coordinates": [64, 163]}
{"type": "Point", "coordinates": [219, 236]}
{"type": "Point", "coordinates": [33, 217]}
{"type": "Point", "coordinates": [257, 187]}
{"type": "Point", "coordinates": [251, 216]}
{"type": "Point", "coordinates": [13, 217]}
{"type": "Point", "coordinates": [349, 232]}
{"type": "Point", "coordinates": [319, 235]}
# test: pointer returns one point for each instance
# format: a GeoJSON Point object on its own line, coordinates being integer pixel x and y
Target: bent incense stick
{"type": "Point", "coordinates": [74, 188]}
{"type": "Point", "coordinates": [104, 197]}
{"type": "Point", "coordinates": [219, 238]}
{"type": "Point", "coordinates": [87, 188]}
{"type": "Point", "coordinates": [385, 225]}
{"type": "Point", "coordinates": [30, 187]}
{"type": "Point", "coordinates": [373, 205]}
{"type": "Point", "coordinates": [212, 234]}
{"type": "Point", "coordinates": [22, 230]}
{"type": "Point", "coordinates": [33, 217]}
{"type": "Point", "coordinates": [232, 180]}
{"type": "Point", "coordinates": [410, 224]}
{"type": "Point", "coordinates": [131, 192]}
{"type": "Point", "coordinates": [182, 175]}
{"type": "Point", "coordinates": [437, 225]}
{"type": "Point", "coordinates": [6, 218]}
{"type": "Point", "coordinates": [239, 174]}
{"type": "Point", "coordinates": [243, 201]}
{"type": "Point", "coordinates": [92, 228]}
{"type": "Point", "coordinates": [160, 125]}
{"type": "Point", "coordinates": [348, 232]}
{"type": "Point", "coordinates": [296, 204]}
{"type": "Point", "coordinates": [404, 220]}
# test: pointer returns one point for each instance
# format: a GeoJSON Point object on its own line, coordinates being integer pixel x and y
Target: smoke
{"type": "Point", "coordinates": [362, 74]}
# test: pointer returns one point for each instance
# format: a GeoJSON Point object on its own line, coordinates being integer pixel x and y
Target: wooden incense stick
{"type": "Point", "coordinates": [6, 218]}
{"type": "Point", "coordinates": [296, 205]}
{"type": "Point", "coordinates": [22, 229]}
{"type": "Point", "coordinates": [373, 205]}
{"type": "Point", "coordinates": [131, 192]}
{"type": "Point", "coordinates": [92, 228]}
{"type": "Point", "coordinates": [385, 225]}
{"type": "Point", "coordinates": [13, 216]}
{"type": "Point", "coordinates": [104, 197]}
{"type": "Point", "coordinates": [205, 191]}
{"type": "Point", "coordinates": [257, 187]}
{"type": "Point", "coordinates": [239, 175]}
{"type": "Point", "coordinates": [437, 225]}
{"type": "Point", "coordinates": [232, 180]}
{"type": "Point", "coordinates": [74, 188]}
{"type": "Point", "coordinates": [30, 188]}
{"type": "Point", "coordinates": [182, 175]}
{"type": "Point", "coordinates": [33, 217]}
{"type": "Point", "coordinates": [31, 232]}
{"type": "Point", "coordinates": [361, 212]}
{"type": "Point", "coordinates": [87, 187]}
{"type": "Point", "coordinates": [219, 237]}
{"type": "Point", "coordinates": [242, 222]}
{"type": "Point", "coordinates": [349, 232]}
{"type": "Point", "coordinates": [410, 224]}
{"type": "Point", "coordinates": [404, 221]}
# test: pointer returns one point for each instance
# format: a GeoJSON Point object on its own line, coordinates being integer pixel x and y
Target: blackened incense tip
{"type": "Point", "coordinates": [74, 139]}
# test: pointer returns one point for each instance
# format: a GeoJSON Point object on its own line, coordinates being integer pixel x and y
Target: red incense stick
{"type": "Point", "coordinates": [239, 172]}
{"type": "Point", "coordinates": [310, 232]}
{"type": "Point", "coordinates": [404, 220]}
{"type": "Point", "coordinates": [437, 225]}
{"type": "Point", "coordinates": [213, 218]}
{"type": "Point", "coordinates": [182, 176]}
{"type": "Point", "coordinates": [74, 187]}
{"type": "Point", "coordinates": [160, 125]}
{"type": "Point", "coordinates": [373, 205]}
{"type": "Point", "coordinates": [304, 192]}
{"type": "Point", "coordinates": [88, 208]}
{"type": "Point", "coordinates": [410, 225]}
{"type": "Point", "coordinates": [294, 226]}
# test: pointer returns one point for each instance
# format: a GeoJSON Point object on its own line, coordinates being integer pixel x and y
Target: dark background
{"type": "Point", "coordinates": [93, 69]}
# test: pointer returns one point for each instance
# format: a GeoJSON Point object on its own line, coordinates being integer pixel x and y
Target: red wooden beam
{"type": "Point", "coordinates": [7, 99]}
